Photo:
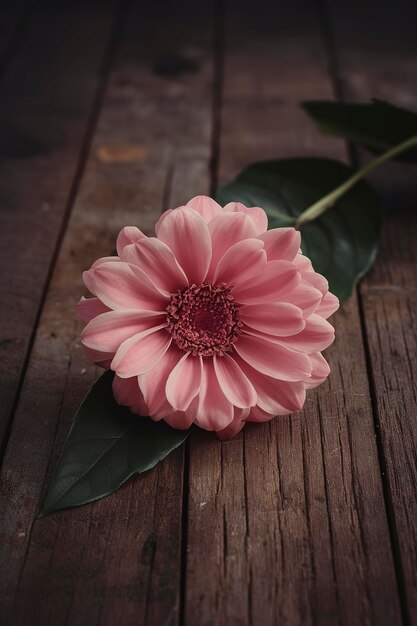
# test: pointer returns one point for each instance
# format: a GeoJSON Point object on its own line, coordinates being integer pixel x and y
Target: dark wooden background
{"type": "Point", "coordinates": [111, 112]}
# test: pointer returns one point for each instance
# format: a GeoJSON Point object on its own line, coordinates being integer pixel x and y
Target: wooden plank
{"type": "Point", "coordinates": [45, 102]}
{"type": "Point", "coordinates": [388, 294]}
{"type": "Point", "coordinates": [286, 523]}
{"type": "Point", "coordinates": [116, 561]}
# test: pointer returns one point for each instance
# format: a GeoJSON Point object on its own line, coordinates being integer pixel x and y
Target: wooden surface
{"type": "Point", "coordinates": [111, 112]}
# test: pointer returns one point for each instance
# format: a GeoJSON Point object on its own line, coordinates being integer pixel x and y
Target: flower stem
{"type": "Point", "coordinates": [319, 207]}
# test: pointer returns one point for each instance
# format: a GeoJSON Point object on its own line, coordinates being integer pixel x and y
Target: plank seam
{"type": "Point", "coordinates": [108, 57]}
{"type": "Point", "coordinates": [79, 171]}
{"type": "Point", "coordinates": [338, 91]}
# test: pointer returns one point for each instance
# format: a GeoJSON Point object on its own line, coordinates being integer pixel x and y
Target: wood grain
{"type": "Point", "coordinates": [290, 523]}
{"type": "Point", "coordinates": [388, 294]}
{"type": "Point", "coordinates": [45, 102]}
{"type": "Point", "coordinates": [287, 523]}
{"type": "Point", "coordinates": [118, 560]}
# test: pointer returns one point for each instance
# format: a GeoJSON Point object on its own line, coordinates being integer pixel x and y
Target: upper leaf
{"type": "Point", "coordinates": [341, 243]}
{"type": "Point", "coordinates": [376, 126]}
{"type": "Point", "coordinates": [106, 445]}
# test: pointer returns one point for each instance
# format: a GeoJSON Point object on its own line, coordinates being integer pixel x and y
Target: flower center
{"type": "Point", "coordinates": [204, 319]}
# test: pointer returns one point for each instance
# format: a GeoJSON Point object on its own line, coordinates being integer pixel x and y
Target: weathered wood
{"type": "Point", "coordinates": [116, 561]}
{"type": "Point", "coordinates": [45, 101]}
{"type": "Point", "coordinates": [388, 294]}
{"type": "Point", "coordinates": [287, 524]}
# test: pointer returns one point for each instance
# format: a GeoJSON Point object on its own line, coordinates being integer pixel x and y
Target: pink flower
{"type": "Point", "coordinates": [215, 320]}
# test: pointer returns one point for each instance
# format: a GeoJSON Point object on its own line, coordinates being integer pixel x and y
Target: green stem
{"type": "Point", "coordinates": [319, 207]}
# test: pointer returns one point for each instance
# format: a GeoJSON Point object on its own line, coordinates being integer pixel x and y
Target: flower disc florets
{"type": "Point", "coordinates": [204, 319]}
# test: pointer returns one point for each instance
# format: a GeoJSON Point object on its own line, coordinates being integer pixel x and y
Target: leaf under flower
{"type": "Point", "coordinates": [106, 446]}
{"type": "Point", "coordinates": [341, 243]}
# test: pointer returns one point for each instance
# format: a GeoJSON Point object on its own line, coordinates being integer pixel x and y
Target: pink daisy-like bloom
{"type": "Point", "coordinates": [215, 321]}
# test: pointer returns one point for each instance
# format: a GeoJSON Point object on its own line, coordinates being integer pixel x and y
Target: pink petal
{"type": "Point", "coordinates": [178, 419]}
{"type": "Point", "coordinates": [278, 279]}
{"type": "Point", "coordinates": [277, 397]}
{"type": "Point", "coordinates": [303, 263]}
{"type": "Point", "coordinates": [306, 297]}
{"type": "Point", "coordinates": [320, 370]}
{"type": "Point", "coordinates": [316, 280]}
{"type": "Point", "coordinates": [124, 286]}
{"type": "Point", "coordinates": [153, 382]}
{"type": "Point", "coordinates": [127, 236]}
{"type": "Point", "coordinates": [242, 261]}
{"type": "Point", "coordinates": [281, 243]}
{"type": "Point", "coordinates": [140, 353]}
{"type": "Point", "coordinates": [273, 359]}
{"type": "Point", "coordinates": [239, 420]}
{"type": "Point", "coordinates": [227, 229]}
{"type": "Point", "coordinates": [158, 262]}
{"type": "Point", "coordinates": [162, 220]}
{"type": "Point", "coordinates": [88, 276]}
{"type": "Point", "coordinates": [259, 416]}
{"type": "Point", "coordinates": [127, 393]}
{"type": "Point", "coordinates": [107, 331]}
{"type": "Point", "coordinates": [257, 215]}
{"type": "Point", "coordinates": [205, 206]}
{"type": "Point", "coordinates": [276, 318]}
{"type": "Point", "coordinates": [317, 335]}
{"type": "Point", "coordinates": [235, 385]}
{"type": "Point", "coordinates": [88, 308]}
{"type": "Point", "coordinates": [186, 233]}
{"type": "Point", "coordinates": [184, 382]}
{"type": "Point", "coordinates": [328, 305]}
{"type": "Point", "coordinates": [211, 409]}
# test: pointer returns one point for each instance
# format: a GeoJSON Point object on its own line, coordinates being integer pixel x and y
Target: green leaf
{"type": "Point", "coordinates": [376, 126]}
{"type": "Point", "coordinates": [341, 243]}
{"type": "Point", "coordinates": [106, 445]}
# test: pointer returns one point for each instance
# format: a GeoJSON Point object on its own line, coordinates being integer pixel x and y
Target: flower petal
{"type": "Point", "coordinates": [88, 308]}
{"type": "Point", "coordinates": [127, 393]}
{"type": "Point", "coordinates": [281, 243]}
{"type": "Point", "coordinates": [328, 305]}
{"type": "Point", "coordinates": [184, 382]}
{"type": "Point", "coordinates": [127, 236]}
{"type": "Point", "coordinates": [124, 286]}
{"type": "Point", "coordinates": [88, 276]}
{"type": "Point", "coordinates": [235, 385]}
{"type": "Point", "coordinates": [317, 335]}
{"type": "Point", "coordinates": [273, 359]}
{"type": "Point", "coordinates": [211, 409]}
{"type": "Point", "coordinates": [158, 262]}
{"type": "Point", "coordinates": [320, 371]}
{"type": "Point", "coordinates": [239, 420]}
{"type": "Point", "coordinates": [256, 214]}
{"type": "Point", "coordinates": [140, 353]}
{"type": "Point", "coordinates": [306, 297]}
{"type": "Point", "coordinates": [277, 397]}
{"type": "Point", "coordinates": [227, 229]}
{"type": "Point", "coordinates": [186, 233]}
{"type": "Point", "coordinates": [278, 279]}
{"type": "Point", "coordinates": [276, 318]}
{"type": "Point", "coordinates": [107, 331]}
{"type": "Point", "coordinates": [242, 261]}
{"type": "Point", "coordinates": [258, 415]}
{"type": "Point", "coordinates": [153, 382]}
{"type": "Point", "coordinates": [178, 419]}
{"type": "Point", "coordinates": [205, 206]}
